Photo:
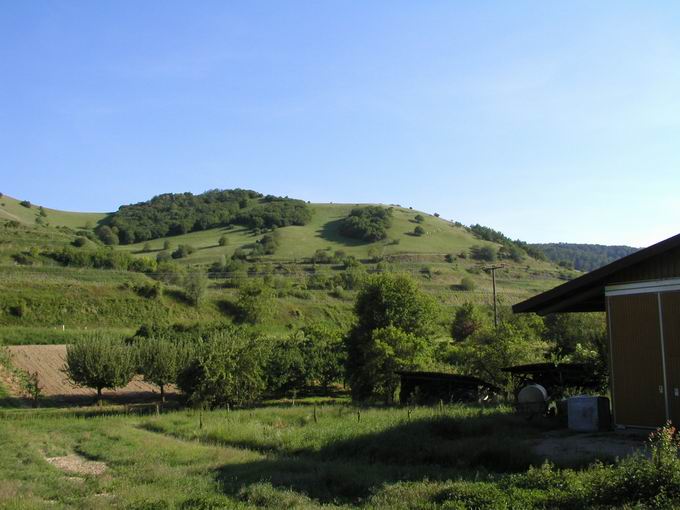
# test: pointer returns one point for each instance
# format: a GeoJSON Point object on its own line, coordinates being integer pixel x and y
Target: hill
{"type": "Point", "coordinates": [312, 269]}
{"type": "Point", "coordinates": [583, 257]}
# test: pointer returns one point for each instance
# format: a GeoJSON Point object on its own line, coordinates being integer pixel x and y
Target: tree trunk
{"type": "Point", "coordinates": [99, 397]}
{"type": "Point", "coordinates": [162, 393]}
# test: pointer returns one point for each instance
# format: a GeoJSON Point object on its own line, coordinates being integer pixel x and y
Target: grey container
{"type": "Point", "coordinates": [588, 414]}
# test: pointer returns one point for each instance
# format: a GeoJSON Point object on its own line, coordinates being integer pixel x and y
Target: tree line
{"type": "Point", "coordinates": [179, 213]}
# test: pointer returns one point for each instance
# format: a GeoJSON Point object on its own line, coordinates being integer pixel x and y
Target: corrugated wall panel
{"type": "Point", "coordinates": [636, 360]}
{"type": "Point", "coordinates": [670, 306]}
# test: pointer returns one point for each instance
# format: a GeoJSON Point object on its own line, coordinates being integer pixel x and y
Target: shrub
{"type": "Point", "coordinates": [42, 212]}
{"type": "Point", "coordinates": [255, 301]}
{"type": "Point", "coordinates": [223, 240]}
{"type": "Point", "coordinates": [19, 310]}
{"type": "Point", "coordinates": [99, 362]}
{"type": "Point", "coordinates": [107, 235]}
{"type": "Point", "coordinates": [467, 284]}
{"type": "Point", "coordinates": [485, 253]}
{"type": "Point", "coordinates": [79, 242]}
{"type": "Point", "coordinates": [449, 257]}
{"type": "Point", "coordinates": [183, 250]}
{"type": "Point", "coordinates": [25, 203]}
{"type": "Point", "coordinates": [419, 231]}
{"type": "Point", "coordinates": [225, 368]}
{"type": "Point", "coordinates": [161, 360]}
{"type": "Point", "coordinates": [195, 285]}
{"type": "Point", "coordinates": [163, 256]}
{"type": "Point", "coordinates": [419, 218]}
{"type": "Point", "coordinates": [467, 320]}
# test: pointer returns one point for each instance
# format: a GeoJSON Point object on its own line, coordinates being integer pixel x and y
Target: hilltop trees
{"type": "Point", "coordinates": [99, 362]}
{"type": "Point", "coordinates": [394, 319]}
{"type": "Point", "coordinates": [175, 214]}
{"type": "Point", "coordinates": [367, 223]}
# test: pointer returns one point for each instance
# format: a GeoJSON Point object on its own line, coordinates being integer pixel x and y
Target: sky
{"type": "Point", "coordinates": [548, 121]}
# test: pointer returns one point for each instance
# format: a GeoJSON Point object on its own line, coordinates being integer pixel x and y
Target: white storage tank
{"type": "Point", "coordinates": [588, 414]}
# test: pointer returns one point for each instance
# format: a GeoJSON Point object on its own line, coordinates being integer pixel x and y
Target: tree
{"type": "Point", "coordinates": [391, 350]}
{"type": "Point", "coordinates": [419, 218]}
{"type": "Point", "coordinates": [146, 248]}
{"type": "Point", "coordinates": [161, 360]}
{"type": "Point", "coordinates": [468, 320]}
{"type": "Point", "coordinates": [99, 362]}
{"type": "Point", "coordinates": [25, 203]}
{"type": "Point", "coordinates": [225, 368]}
{"type": "Point", "coordinates": [79, 242]}
{"type": "Point", "coordinates": [255, 301]}
{"type": "Point", "coordinates": [183, 250]}
{"type": "Point", "coordinates": [107, 235]}
{"type": "Point", "coordinates": [166, 244]}
{"type": "Point", "coordinates": [223, 240]}
{"type": "Point", "coordinates": [486, 253]}
{"type": "Point", "coordinates": [387, 300]}
{"type": "Point", "coordinates": [42, 212]}
{"type": "Point", "coordinates": [419, 231]}
{"type": "Point", "coordinates": [195, 285]}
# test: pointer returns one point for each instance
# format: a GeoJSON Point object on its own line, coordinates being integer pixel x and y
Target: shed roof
{"type": "Point", "coordinates": [586, 293]}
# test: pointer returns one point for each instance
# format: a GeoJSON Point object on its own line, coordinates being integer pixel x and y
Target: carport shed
{"type": "Point", "coordinates": [640, 294]}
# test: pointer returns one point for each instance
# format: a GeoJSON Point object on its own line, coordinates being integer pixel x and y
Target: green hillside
{"type": "Point", "coordinates": [11, 209]}
{"type": "Point", "coordinates": [38, 294]}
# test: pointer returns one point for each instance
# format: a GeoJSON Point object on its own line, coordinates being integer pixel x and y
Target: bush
{"type": "Point", "coordinates": [19, 310]}
{"type": "Point", "coordinates": [419, 218]}
{"type": "Point", "coordinates": [107, 235]}
{"type": "Point", "coordinates": [183, 250]}
{"type": "Point", "coordinates": [255, 301]}
{"type": "Point", "coordinates": [79, 242]}
{"type": "Point", "coordinates": [485, 253]}
{"type": "Point", "coordinates": [99, 362]}
{"type": "Point", "coordinates": [223, 240]}
{"type": "Point", "coordinates": [225, 368]}
{"type": "Point", "coordinates": [467, 320]}
{"type": "Point", "coordinates": [25, 203]}
{"type": "Point", "coordinates": [467, 284]}
{"type": "Point", "coordinates": [195, 285]}
{"type": "Point", "coordinates": [419, 231]}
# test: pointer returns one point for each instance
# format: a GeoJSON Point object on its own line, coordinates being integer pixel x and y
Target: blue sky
{"type": "Point", "coordinates": [548, 121]}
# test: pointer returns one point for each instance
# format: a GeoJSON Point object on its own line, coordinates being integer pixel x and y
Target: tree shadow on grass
{"type": "Point", "coordinates": [350, 470]}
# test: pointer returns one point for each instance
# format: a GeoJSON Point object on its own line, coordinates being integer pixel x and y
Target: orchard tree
{"type": "Point", "coordinates": [100, 362]}
{"type": "Point", "coordinates": [225, 368]}
{"type": "Point", "coordinates": [195, 285]}
{"type": "Point", "coordinates": [161, 360]}
{"type": "Point", "coordinates": [255, 301]}
{"type": "Point", "coordinates": [385, 301]}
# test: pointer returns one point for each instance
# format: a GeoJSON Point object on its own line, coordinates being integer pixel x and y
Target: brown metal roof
{"type": "Point", "coordinates": [586, 293]}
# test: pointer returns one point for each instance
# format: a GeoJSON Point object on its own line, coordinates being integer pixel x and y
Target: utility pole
{"type": "Point", "coordinates": [493, 279]}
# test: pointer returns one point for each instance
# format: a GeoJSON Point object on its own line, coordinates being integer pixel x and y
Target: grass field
{"type": "Point", "coordinates": [303, 457]}
{"type": "Point", "coordinates": [11, 209]}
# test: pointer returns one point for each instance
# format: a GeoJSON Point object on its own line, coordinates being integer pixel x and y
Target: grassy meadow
{"type": "Point", "coordinates": [308, 456]}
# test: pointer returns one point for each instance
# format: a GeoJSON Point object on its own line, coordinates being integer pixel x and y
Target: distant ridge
{"type": "Point", "coordinates": [583, 257]}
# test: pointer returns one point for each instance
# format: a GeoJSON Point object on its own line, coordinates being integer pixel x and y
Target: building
{"type": "Point", "coordinates": [640, 294]}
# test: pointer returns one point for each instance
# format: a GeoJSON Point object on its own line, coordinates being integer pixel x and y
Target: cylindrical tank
{"type": "Point", "coordinates": [532, 394]}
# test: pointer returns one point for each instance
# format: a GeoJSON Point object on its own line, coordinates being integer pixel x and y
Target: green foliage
{"type": "Point", "coordinates": [195, 285]}
{"type": "Point", "coordinates": [160, 360]}
{"type": "Point", "coordinates": [176, 214]}
{"type": "Point", "coordinates": [225, 368]}
{"type": "Point", "coordinates": [107, 235]}
{"type": "Point", "coordinates": [103, 259]}
{"type": "Point", "coordinates": [468, 320]}
{"type": "Point", "coordinates": [79, 242]}
{"type": "Point", "coordinates": [182, 251]}
{"type": "Point", "coordinates": [486, 352]}
{"type": "Point", "coordinates": [419, 231]}
{"type": "Point", "coordinates": [467, 284]}
{"type": "Point", "coordinates": [223, 240]}
{"type": "Point", "coordinates": [484, 253]}
{"type": "Point", "coordinates": [255, 301]}
{"type": "Point", "coordinates": [100, 362]}
{"type": "Point", "coordinates": [367, 223]}
{"type": "Point", "coordinates": [583, 257]}
{"type": "Point", "coordinates": [385, 302]}
{"type": "Point", "coordinates": [25, 203]}
{"type": "Point", "coordinates": [419, 218]}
